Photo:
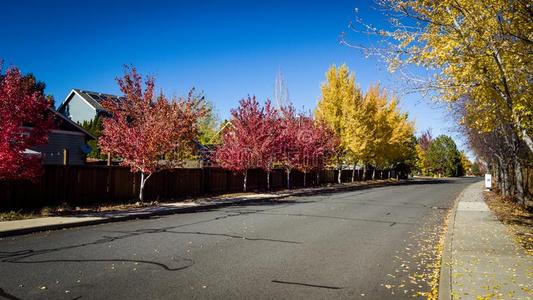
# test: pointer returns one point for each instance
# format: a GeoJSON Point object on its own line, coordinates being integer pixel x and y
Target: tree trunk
{"type": "Point", "coordinates": [245, 179]}
{"type": "Point", "coordinates": [505, 182]}
{"type": "Point", "coordinates": [374, 174]}
{"type": "Point", "coordinates": [511, 178]}
{"type": "Point", "coordinates": [519, 182]}
{"type": "Point", "coordinates": [268, 180]}
{"type": "Point", "coordinates": [317, 177]}
{"type": "Point", "coordinates": [305, 177]}
{"type": "Point", "coordinates": [503, 176]}
{"type": "Point", "coordinates": [353, 173]}
{"type": "Point", "coordinates": [339, 176]}
{"type": "Point", "coordinates": [141, 187]}
{"type": "Point", "coordinates": [526, 138]}
{"type": "Point", "coordinates": [364, 172]}
{"type": "Point", "coordinates": [288, 178]}
{"type": "Point", "coordinates": [499, 177]}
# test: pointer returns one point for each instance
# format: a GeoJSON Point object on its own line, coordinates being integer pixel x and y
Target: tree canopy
{"type": "Point", "coordinates": [371, 128]}
{"type": "Point", "coordinates": [149, 133]}
{"type": "Point", "coordinates": [25, 122]}
{"type": "Point", "coordinates": [444, 158]}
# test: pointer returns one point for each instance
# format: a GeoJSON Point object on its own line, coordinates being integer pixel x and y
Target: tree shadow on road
{"type": "Point", "coordinates": [30, 256]}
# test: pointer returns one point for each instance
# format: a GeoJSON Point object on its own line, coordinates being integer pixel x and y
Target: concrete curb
{"type": "Point", "coordinates": [189, 209]}
{"type": "Point", "coordinates": [445, 278]}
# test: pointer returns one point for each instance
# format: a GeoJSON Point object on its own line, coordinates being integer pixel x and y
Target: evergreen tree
{"type": "Point", "coordinates": [444, 158]}
{"type": "Point", "coordinates": [94, 127]}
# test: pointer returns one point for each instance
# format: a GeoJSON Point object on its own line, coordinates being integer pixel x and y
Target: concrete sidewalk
{"type": "Point", "coordinates": [10, 228]}
{"type": "Point", "coordinates": [480, 259]}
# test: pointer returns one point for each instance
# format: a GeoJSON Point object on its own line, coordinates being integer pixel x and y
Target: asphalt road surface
{"type": "Point", "coordinates": [374, 243]}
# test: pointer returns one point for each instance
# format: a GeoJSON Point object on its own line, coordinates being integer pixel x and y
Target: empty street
{"type": "Point", "coordinates": [367, 243]}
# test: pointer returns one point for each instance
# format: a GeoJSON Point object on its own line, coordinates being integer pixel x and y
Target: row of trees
{"type": "Point", "coordinates": [478, 55]}
{"type": "Point", "coordinates": [150, 132]}
{"type": "Point", "coordinates": [370, 127]}
{"type": "Point", "coordinates": [440, 156]}
{"type": "Point", "coordinates": [261, 136]}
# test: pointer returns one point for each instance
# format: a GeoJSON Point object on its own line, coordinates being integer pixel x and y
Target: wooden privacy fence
{"type": "Point", "coordinates": [85, 185]}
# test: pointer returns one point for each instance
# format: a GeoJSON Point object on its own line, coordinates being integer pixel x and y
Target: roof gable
{"type": "Point", "coordinates": [63, 123]}
{"type": "Point", "coordinates": [93, 99]}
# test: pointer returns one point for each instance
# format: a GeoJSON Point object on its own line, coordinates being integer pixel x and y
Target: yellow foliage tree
{"type": "Point", "coordinates": [359, 129]}
{"type": "Point", "coordinates": [480, 50]}
{"type": "Point", "coordinates": [338, 90]}
{"type": "Point", "coordinates": [466, 163]}
{"type": "Point", "coordinates": [421, 160]}
{"type": "Point", "coordinates": [376, 132]}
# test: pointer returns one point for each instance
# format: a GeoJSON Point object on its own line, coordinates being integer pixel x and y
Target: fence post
{"type": "Point", "coordinates": [66, 191]}
{"type": "Point", "coordinates": [109, 182]}
{"type": "Point", "coordinates": [65, 157]}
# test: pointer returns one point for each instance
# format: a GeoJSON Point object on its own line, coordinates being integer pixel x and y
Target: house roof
{"type": "Point", "coordinates": [64, 123]}
{"type": "Point", "coordinates": [94, 99]}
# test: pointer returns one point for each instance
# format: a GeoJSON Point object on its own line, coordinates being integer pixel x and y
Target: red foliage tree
{"type": "Point", "coordinates": [242, 142]}
{"type": "Point", "coordinates": [315, 143]}
{"type": "Point", "coordinates": [289, 148]}
{"type": "Point", "coordinates": [148, 132]}
{"type": "Point", "coordinates": [305, 145]}
{"type": "Point", "coordinates": [425, 140]}
{"type": "Point", "coordinates": [260, 137]}
{"type": "Point", "coordinates": [269, 139]}
{"type": "Point", "coordinates": [24, 122]}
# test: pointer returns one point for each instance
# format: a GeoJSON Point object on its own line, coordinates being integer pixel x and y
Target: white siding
{"type": "Point", "coordinates": [78, 110]}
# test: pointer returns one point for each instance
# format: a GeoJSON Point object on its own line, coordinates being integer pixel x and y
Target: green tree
{"type": "Point", "coordinates": [444, 158]}
{"type": "Point", "coordinates": [476, 170]}
{"type": "Point", "coordinates": [94, 127]}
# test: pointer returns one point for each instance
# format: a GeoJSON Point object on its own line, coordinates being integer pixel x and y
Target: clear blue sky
{"type": "Point", "coordinates": [228, 49]}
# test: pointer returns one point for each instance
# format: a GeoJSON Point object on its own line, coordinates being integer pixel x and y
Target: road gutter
{"type": "Point", "coordinates": [445, 278]}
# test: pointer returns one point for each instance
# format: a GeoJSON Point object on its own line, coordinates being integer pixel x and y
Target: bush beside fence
{"type": "Point", "coordinates": [86, 185]}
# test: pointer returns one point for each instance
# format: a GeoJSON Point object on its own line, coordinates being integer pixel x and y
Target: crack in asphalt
{"type": "Point", "coordinates": [338, 218]}
{"type": "Point", "coordinates": [308, 284]}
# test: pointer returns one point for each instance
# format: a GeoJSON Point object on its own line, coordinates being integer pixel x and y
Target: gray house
{"type": "Point", "coordinates": [81, 105]}
{"type": "Point", "coordinates": [68, 136]}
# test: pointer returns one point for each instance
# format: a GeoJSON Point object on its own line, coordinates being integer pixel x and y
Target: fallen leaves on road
{"type": "Point", "coordinates": [420, 262]}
